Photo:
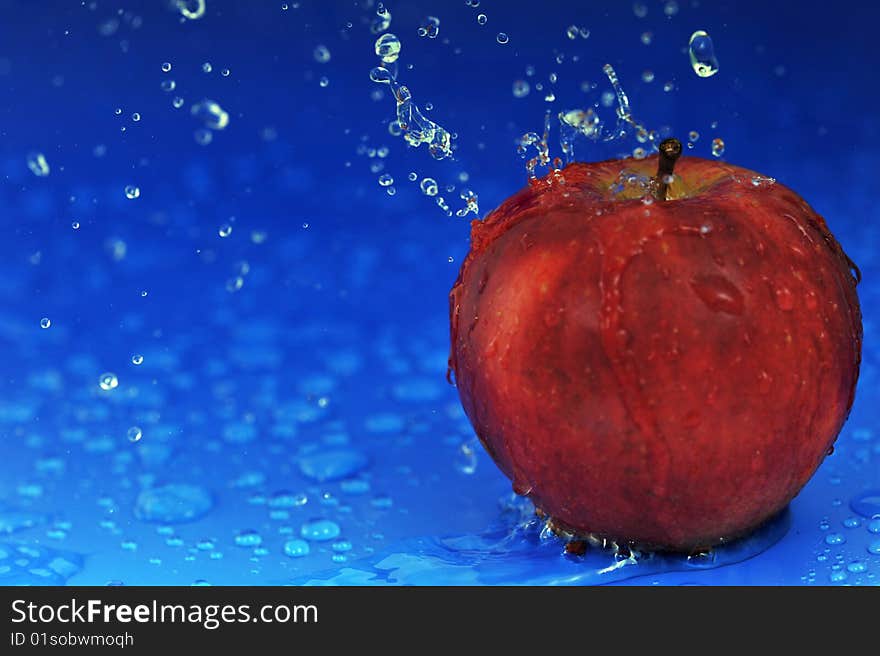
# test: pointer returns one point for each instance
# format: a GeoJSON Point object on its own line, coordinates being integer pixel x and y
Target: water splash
{"type": "Point", "coordinates": [520, 548]}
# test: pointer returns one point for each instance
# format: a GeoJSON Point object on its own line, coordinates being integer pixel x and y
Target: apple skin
{"type": "Point", "coordinates": [664, 374]}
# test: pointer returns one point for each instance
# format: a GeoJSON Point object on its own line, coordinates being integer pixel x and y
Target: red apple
{"type": "Point", "coordinates": [662, 365]}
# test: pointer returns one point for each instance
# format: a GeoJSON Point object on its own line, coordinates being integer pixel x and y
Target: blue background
{"type": "Point", "coordinates": [316, 391]}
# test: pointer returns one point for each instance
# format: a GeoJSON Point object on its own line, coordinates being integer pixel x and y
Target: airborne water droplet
{"type": "Point", "coordinates": [108, 381]}
{"type": "Point", "coordinates": [388, 48]}
{"type": "Point", "coordinates": [702, 54]}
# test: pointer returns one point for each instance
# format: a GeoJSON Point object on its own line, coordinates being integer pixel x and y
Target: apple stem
{"type": "Point", "coordinates": [670, 151]}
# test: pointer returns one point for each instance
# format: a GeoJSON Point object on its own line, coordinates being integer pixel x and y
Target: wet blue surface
{"type": "Point", "coordinates": [295, 421]}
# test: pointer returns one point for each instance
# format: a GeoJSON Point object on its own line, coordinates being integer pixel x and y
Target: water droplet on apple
{"type": "Point", "coordinates": [718, 293]}
{"type": "Point", "coordinates": [784, 299]}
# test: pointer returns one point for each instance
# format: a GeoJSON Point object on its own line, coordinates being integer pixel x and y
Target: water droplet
{"type": "Point", "coordinates": [108, 381]}
{"type": "Point", "coordinates": [520, 89]}
{"type": "Point", "coordinates": [835, 539]}
{"type": "Point", "coordinates": [385, 180]}
{"type": "Point", "coordinates": [502, 38]}
{"type": "Point", "coordinates": [718, 293]}
{"type": "Point", "coordinates": [717, 147]}
{"type": "Point", "coordinates": [172, 504]}
{"type": "Point", "coordinates": [320, 530]}
{"type": "Point", "coordinates": [857, 567]}
{"type": "Point", "coordinates": [225, 72]}
{"type": "Point", "coordinates": [647, 76]}
{"type": "Point", "coordinates": [137, 359]}
{"type": "Point", "coordinates": [874, 548]}
{"type": "Point", "coordinates": [211, 114]}
{"type": "Point", "coordinates": [38, 165]}
{"type": "Point", "coordinates": [225, 230]}
{"type": "Point", "coordinates": [332, 465]}
{"type": "Point", "coordinates": [135, 434]}
{"type": "Point", "coordinates": [867, 504]}
{"type": "Point", "coordinates": [177, 102]}
{"type": "Point", "coordinates": [135, 117]}
{"type": "Point", "coordinates": [647, 38]}
{"type": "Point", "coordinates": [429, 186]}
{"type": "Point", "coordinates": [324, 82]}
{"type": "Point", "coordinates": [191, 9]}
{"type": "Point", "coordinates": [321, 54]}
{"type": "Point", "coordinates": [702, 54]}
{"type": "Point", "coordinates": [203, 136]}
{"type": "Point", "coordinates": [45, 322]}
{"type": "Point", "coordinates": [430, 27]}
{"type": "Point", "coordinates": [132, 192]}
{"type": "Point", "coordinates": [341, 546]}
{"type": "Point", "coordinates": [75, 225]}
{"type": "Point", "coordinates": [166, 67]}
{"type": "Point", "coordinates": [296, 548]}
{"type": "Point", "coordinates": [784, 298]}
{"type": "Point", "coordinates": [852, 522]}
{"type": "Point", "coordinates": [168, 86]}
{"type": "Point", "coordinates": [388, 48]}
{"type": "Point", "coordinates": [874, 526]}
{"type": "Point", "coordinates": [640, 9]}
{"type": "Point", "coordinates": [482, 19]}
{"type": "Point", "coordinates": [248, 538]}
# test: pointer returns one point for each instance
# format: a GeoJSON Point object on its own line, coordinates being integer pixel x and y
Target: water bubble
{"type": "Point", "coordinates": [388, 48]}
{"type": "Point", "coordinates": [296, 548]}
{"type": "Point", "coordinates": [321, 54]}
{"type": "Point", "coordinates": [45, 322]}
{"type": "Point", "coordinates": [430, 27]}
{"type": "Point", "coordinates": [429, 186]}
{"type": "Point", "coordinates": [717, 146]}
{"type": "Point", "coordinates": [520, 89]}
{"type": "Point", "coordinates": [248, 538]}
{"type": "Point", "coordinates": [502, 38]}
{"type": "Point", "coordinates": [137, 359]}
{"type": "Point", "coordinates": [320, 530]}
{"type": "Point", "coordinates": [132, 192]}
{"type": "Point", "coordinates": [482, 18]}
{"type": "Point", "coordinates": [108, 381]}
{"type": "Point", "coordinates": [38, 165]}
{"type": "Point", "coordinates": [702, 54]}
{"type": "Point", "coordinates": [166, 67]}
{"type": "Point", "coordinates": [135, 434]}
